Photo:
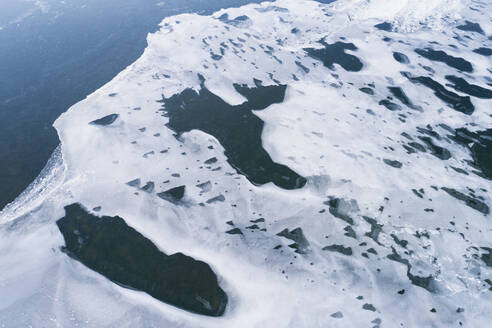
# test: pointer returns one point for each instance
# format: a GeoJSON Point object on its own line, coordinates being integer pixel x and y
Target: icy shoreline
{"type": "Point", "coordinates": [381, 238]}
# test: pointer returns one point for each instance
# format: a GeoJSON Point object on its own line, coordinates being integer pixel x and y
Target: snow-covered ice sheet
{"type": "Point", "coordinates": [382, 244]}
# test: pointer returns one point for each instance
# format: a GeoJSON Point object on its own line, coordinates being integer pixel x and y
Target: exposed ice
{"type": "Point", "coordinates": [393, 222]}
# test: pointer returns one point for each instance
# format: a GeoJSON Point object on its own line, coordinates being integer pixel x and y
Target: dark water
{"type": "Point", "coordinates": [441, 56]}
{"type": "Point", "coordinates": [335, 54]}
{"type": "Point", "coordinates": [131, 260]}
{"type": "Point", "coordinates": [455, 101]}
{"type": "Point", "coordinates": [236, 128]}
{"type": "Point", "coordinates": [54, 58]}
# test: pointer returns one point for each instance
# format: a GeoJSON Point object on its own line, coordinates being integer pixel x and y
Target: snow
{"type": "Point", "coordinates": [407, 15]}
{"type": "Point", "coordinates": [322, 130]}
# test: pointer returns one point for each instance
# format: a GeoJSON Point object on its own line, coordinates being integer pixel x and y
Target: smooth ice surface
{"type": "Point", "coordinates": [391, 228]}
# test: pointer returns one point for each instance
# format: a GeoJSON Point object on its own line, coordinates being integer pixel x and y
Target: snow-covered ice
{"type": "Point", "coordinates": [383, 245]}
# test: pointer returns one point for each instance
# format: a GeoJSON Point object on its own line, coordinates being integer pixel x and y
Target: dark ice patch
{"type": "Point", "coordinates": [489, 282]}
{"type": "Point", "coordinates": [424, 282]}
{"type": "Point", "coordinates": [480, 145]}
{"type": "Point", "coordinates": [399, 94]}
{"type": "Point", "coordinates": [462, 85]}
{"type": "Point", "coordinates": [406, 135]}
{"type": "Point", "coordinates": [341, 208]}
{"type": "Point", "coordinates": [376, 322]}
{"type": "Point", "coordinates": [242, 21]}
{"type": "Point", "coordinates": [457, 102]}
{"type": "Point", "coordinates": [211, 160]}
{"type": "Point", "coordinates": [482, 152]}
{"type": "Point", "coordinates": [367, 90]}
{"type": "Point", "coordinates": [465, 137]}
{"type": "Point", "coordinates": [401, 242]}
{"type": "Point", "coordinates": [389, 105]}
{"type": "Point", "coordinates": [417, 146]}
{"type": "Point", "coordinates": [148, 187]}
{"type": "Point", "coordinates": [219, 198]}
{"type": "Point", "coordinates": [337, 315]}
{"type": "Point", "coordinates": [205, 186]}
{"type": "Point", "coordinates": [235, 127]}
{"type": "Point", "coordinates": [483, 51]}
{"type": "Point", "coordinates": [437, 151]}
{"type": "Point", "coordinates": [110, 247]}
{"type": "Point", "coordinates": [440, 56]}
{"type": "Point", "coordinates": [301, 245]}
{"type": "Point", "coordinates": [301, 66]}
{"type": "Point", "coordinates": [146, 155]}
{"type": "Point", "coordinates": [427, 283]}
{"type": "Point", "coordinates": [339, 249]}
{"type": "Point", "coordinates": [106, 120]}
{"type": "Point", "coordinates": [418, 193]}
{"type": "Point", "coordinates": [376, 229]}
{"type": "Point", "coordinates": [369, 307]}
{"type": "Point", "coordinates": [134, 183]}
{"type": "Point", "coordinates": [471, 27]}
{"type": "Point", "coordinates": [401, 58]}
{"type": "Point", "coordinates": [173, 195]}
{"type": "Point", "coordinates": [457, 169]}
{"type": "Point", "coordinates": [428, 130]}
{"type": "Point", "coordinates": [335, 54]}
{"type": "Point", "coordinates": [470, 201]}
{"type": "Point", "coordinates": [215, 56]}
{"type": "Point", "coordinates": [393, 163]}
{"type": "Point", "coordinates": [349, 232]}
{"type": "Point", "coordinates": [487, 257]}
{"type": "Point", "coordinates": [386, 26]}
{"type": "Point", "coordinates": [234, 231]}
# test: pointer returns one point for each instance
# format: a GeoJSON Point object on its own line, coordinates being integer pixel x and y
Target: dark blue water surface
{"type": "Point", "coordinates": [53, 56]}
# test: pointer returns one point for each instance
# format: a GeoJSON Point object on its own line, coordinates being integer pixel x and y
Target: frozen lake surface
{"type": "Point", "coordinates": [285, 164]}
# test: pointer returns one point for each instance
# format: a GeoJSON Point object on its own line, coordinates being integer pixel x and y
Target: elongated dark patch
{"type": "Point", "coordinates": [386, 26]}
{"type": "Point", "coordinates": [480, 145]}
{"type": "Point", "coordinates": [470, 201]}
{"type": "Point", "coordinates": [389, 105]}
{"type": "Point", "coordinates": [438, 151]}
{"type": "Point", "coordinates": [460, 84]}
{"type": "Point", "coordinates": [401, 58]}
{"type": "Point", "coordinates": [440, 56]}
{"type": "Point", "coordinates": [399, 94]}
{"type": "Point", "coordinates": [106, 120]}
{"type": "Point", "coordinates": [487, 257]}
{"type": "Point", "coordinates": [110, 247]}
{"type": "Point", "coordinates": [339, 249]}
{"type": "Point", "coordinates": [471, 27]}
{"type": "Point", "coordinates": [487, 52]}
{"type": "Point", "coordinates": [455, 101]}
{"type": "Point", "coordinates": [235, 127]}
{"type": "Point", "coordinates": [393, 163]}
